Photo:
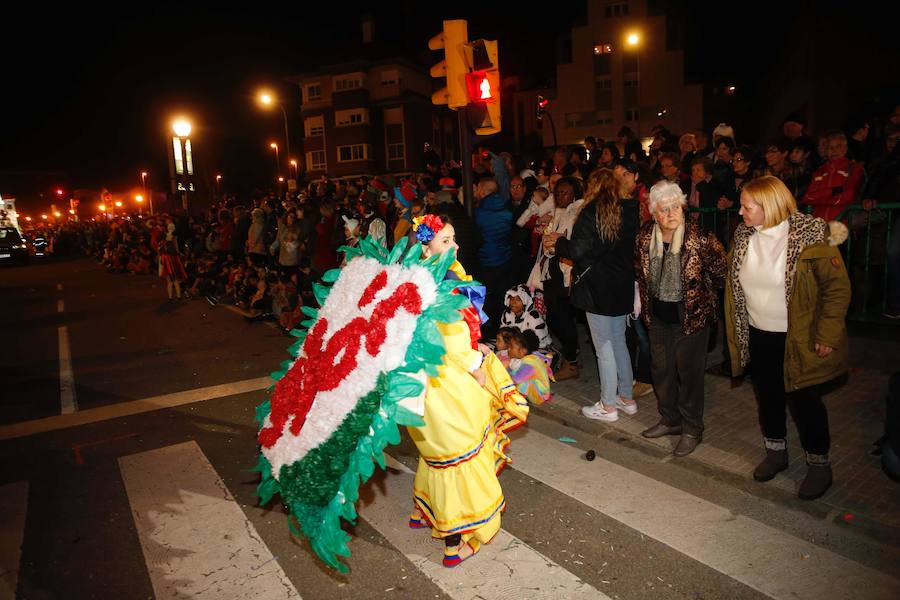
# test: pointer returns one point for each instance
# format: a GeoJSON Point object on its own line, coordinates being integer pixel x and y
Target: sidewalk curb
{"type": "Point", "coordinates": [871, 529]}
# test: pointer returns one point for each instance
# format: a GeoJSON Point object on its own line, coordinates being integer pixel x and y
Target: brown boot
{"type": "Point", "coordinates": [818, 477]}
{"type": "Point", "coordinates": [566, 371]}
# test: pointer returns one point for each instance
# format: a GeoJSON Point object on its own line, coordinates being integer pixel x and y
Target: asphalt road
{"type": "Point", "coordinates": [77, 532]}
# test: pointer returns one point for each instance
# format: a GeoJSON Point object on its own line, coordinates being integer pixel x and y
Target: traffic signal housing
{"type": "Point", "coordinates": [483, 86]}
{"type": "Point", "coordinates": [452, 40]}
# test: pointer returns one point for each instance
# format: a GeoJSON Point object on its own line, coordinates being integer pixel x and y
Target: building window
{"type": "Point", "coordinates": [618, 9]}
{"type": "Point", "coordinates": [632, 82]}
{"type": "Point", "coordinates": [353, 152]}
{"type": "Point", "coordinates": [631, 114]}
{"type": "Point", "coordinates": [604, 83]}
{"type": "Point", "coordinates": [602, 64]}
{"type": "Point", "coordinates": [314, 126]}
{"type": "Point", "coordinates": [313, 92]}
{"type": "Point", "coordinates": [396, 151]}
{"type": "Point", "coordinates": [316, 160]}
{"type": "Point", "coordinates": [354, 116]}
{"type": "Point", "coordinates": [602, 49]}
{"type": "Point", "coordinates": [351, 82]}
{"type": "Point", "coordinates": [390, 77]}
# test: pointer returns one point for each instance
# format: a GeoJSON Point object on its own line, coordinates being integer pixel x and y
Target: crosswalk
{"type": "Point", "coordinates": [196, 540]}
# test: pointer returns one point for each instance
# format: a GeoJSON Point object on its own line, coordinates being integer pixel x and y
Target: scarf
{"type": "Point", "coordinates": [665, 267]}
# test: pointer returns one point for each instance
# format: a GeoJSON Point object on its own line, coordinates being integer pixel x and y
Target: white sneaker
{"type": "Point", "coordinates": [629, 407]}
{"type": "Point", "coordinates": [598, 412]}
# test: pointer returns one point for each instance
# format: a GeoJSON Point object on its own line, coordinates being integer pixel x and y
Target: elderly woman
{"type": "Point", "coordinates": [679, 267]}
{"type": "Point", "coordinates": [786, 299]}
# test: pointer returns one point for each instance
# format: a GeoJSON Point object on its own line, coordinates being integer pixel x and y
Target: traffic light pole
{"type": "Point", "coordinates": [465, 149]}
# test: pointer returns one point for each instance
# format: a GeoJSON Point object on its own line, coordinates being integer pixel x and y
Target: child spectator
{"type": "Point", "coordinates": [541, 204]}
{"type": "Point", "coordinates": [529, 368]}
{"type": "Point", "coordinates": [521, 314]}
{"type": "Point", "coordinates": [501, 344]}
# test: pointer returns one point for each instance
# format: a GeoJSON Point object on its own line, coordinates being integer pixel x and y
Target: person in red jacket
{"type": "Point", "coordinates": [837, 183]}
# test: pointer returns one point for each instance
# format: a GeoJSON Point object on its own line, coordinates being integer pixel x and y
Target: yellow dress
{"type": "Point", "coordinates": [462, 444]}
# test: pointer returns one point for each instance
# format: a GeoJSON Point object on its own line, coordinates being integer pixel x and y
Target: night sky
{"type": "Point", "coordinates": [88, 95]}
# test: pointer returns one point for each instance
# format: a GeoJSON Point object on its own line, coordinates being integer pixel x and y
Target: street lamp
{"type": "Point", "coordinates": [144, 187]}
{"type": "Point", "coordinates": [102, 208]}
{"type": "Point", "coordinates": [634, 40]}
{"type": "Point", "coordinates": [294, 165]}
{"type": "Point", "coordinates": [182, 129]}
{"type": "Point", "coordinates": [118, 204]}
{"type": "Point", "coordinates": [274, 146]}
{"type": "Point", "coordinates": [267, 99]}
{"type": "Point", "coordinates": [140, 200]}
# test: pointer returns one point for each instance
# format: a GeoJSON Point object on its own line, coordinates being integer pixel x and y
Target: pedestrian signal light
{"type": "Point", "coordinates": [452, 41]}
{"type": "Point", "coordinates": [483, 85]}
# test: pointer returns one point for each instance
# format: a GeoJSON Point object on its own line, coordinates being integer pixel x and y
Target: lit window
{"type": "Point", "coordinates": [316, 160]}
{"type": "Point", "coordinates": [730, 90]}
{"type": "Point", "coordinates": [602, 49]}
{"type": "Point", "coordinates": [351, 82]}
{"type": "Point", "coordinates": [315, 126]}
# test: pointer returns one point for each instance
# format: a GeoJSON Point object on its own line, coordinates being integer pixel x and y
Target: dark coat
{"type": "Point", "coordinates": [495, 223]}
{"type": "Point", "coordinates": [703, 270]}
{"type": "Point", "coordinates": [604, 270]}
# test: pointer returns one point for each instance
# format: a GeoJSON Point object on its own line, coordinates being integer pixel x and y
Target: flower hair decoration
{"type": "Point", "coordinates": [427, 227]}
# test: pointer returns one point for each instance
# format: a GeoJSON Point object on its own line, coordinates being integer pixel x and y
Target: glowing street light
{"type": "Point", "coordinates": [633, 39]}
{"type": "Point", "coordinates": [59, 192]}
{"type": "Point", "coordinates": [281, 180]}
{"type": "Point", "coordinates": [102, 208]}
{"type": "Point", "coordinates": [138, 198]}
{"type": "Point", "coordinates": [118, 204]}
{"type": "Point", "coordinates": [28, 219]}
{"type": "Point", "coordinates": [267, 100]}
{"type": "Point", "coordinates": [182, 128]}
{"type": "Point", "coordinates": [57, 214]}
{"type": "Point", "coordinates": [44, 217]}
{"type": "Point", "coordinates": [71, 211]}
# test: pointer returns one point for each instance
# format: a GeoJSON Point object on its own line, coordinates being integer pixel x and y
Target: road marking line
{"type": "Point", "coordinates": [13, 508]}
{"type": "Point", "coordinates": [196, 540]}
{"type": "Point", "coordinates": [60, 306]}
{"type": "Point", "coordinates": [59, 287]}
{"type": "Point", "coordinates": [67, 401]}
{"type": "Point", "coordinates": [761, 557]}
{"type": "Point", "coordinates": [482, 577]}
{"type": "Point", "coordinates": [124, 409]}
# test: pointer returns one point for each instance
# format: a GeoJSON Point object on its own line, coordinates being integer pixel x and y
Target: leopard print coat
{"type": "Point", "coordinates": [805, 230]}
{"type": "Point", "coordinates": [703, 270]}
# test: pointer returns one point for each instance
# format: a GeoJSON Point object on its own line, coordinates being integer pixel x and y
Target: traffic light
{"type": "Point", "coordinates": [483, 86]}
{"type": "Point", "coordinates": [453, 42]}
{"type": "Point", "coordinates": [541, 107]}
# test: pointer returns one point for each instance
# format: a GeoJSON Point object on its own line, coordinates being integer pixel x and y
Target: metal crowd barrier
{"type": "Point", "coordinates": [871, 261]}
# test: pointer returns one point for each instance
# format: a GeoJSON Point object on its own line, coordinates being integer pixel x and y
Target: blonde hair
{"type": "Point", "coordinates": [603, 192]}
{"type": "Point", "coordinates": [773, 196]}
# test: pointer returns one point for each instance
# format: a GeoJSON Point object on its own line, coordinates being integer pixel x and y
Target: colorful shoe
{"type": "Point", "coordinates": [418, 523]}
{"type": "Point", "coordinates": [452, 558]}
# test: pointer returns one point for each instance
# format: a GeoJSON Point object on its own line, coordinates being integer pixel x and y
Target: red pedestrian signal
{"type": "Point", "coordinates": [485, 87]}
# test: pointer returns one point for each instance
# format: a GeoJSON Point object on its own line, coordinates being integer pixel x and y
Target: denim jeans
{"type": "Point", "coordinates": [613, 362]}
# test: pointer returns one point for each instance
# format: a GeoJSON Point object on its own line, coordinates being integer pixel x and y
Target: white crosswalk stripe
{"type": "Point", "coordinates": [13, 508]}
{"type": "Point", "coordinates": [502, 569]}
{"type": "Point", "coordinates": [766, 559]}
{"type": "Point", "coordinates": [196, 540]}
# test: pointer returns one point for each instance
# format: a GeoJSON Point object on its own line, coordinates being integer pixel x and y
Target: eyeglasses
{"type": "Point", "coordinates": [739, 159]}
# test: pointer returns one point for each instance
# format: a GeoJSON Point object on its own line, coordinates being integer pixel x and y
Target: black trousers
{"type": "Point", "coordinates": [678, 367]}
{"type": "Point", "coordinates": [561, 320]}
{"type": "Point", "coordinates": [497, 280]}
{"type": "Point", "coordinates": [806, 406]}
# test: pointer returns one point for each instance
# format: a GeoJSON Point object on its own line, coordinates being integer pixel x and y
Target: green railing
{"type": "Point", "coordinates": [865, 251]}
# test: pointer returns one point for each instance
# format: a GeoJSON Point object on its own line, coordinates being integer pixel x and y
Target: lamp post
{"type": "Point", "coordinates": [634, 40]}
{"type": "Point", "coordinates": [140, 201]}
{"type": "Point", "coordinates": [146, 195]}
{"type": "Point", "coordinates": [277, 163]}
{"type": "Point", "coordinates": [267, 100]}
{"type": "Point", "coordinates": [294, 165]}
{"type": "Point", "coordinates": [182, 129]}
{"type": "Point", "coordinates": [219, 187]}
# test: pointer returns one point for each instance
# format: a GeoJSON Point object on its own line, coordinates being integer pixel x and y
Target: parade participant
{"type": "Point", "coordinates": [395, 340]}
{"type": "Point", "coordinates": [170, 266]}
{"type": "Point", "coordinates": [469, 408]}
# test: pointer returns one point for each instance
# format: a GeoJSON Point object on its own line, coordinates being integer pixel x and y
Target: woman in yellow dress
{"type": "Point", "coordinates": [470, 407]}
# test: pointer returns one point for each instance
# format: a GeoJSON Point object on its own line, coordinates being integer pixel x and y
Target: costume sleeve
{"type": "Point", "coordinates": [458, 349]}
